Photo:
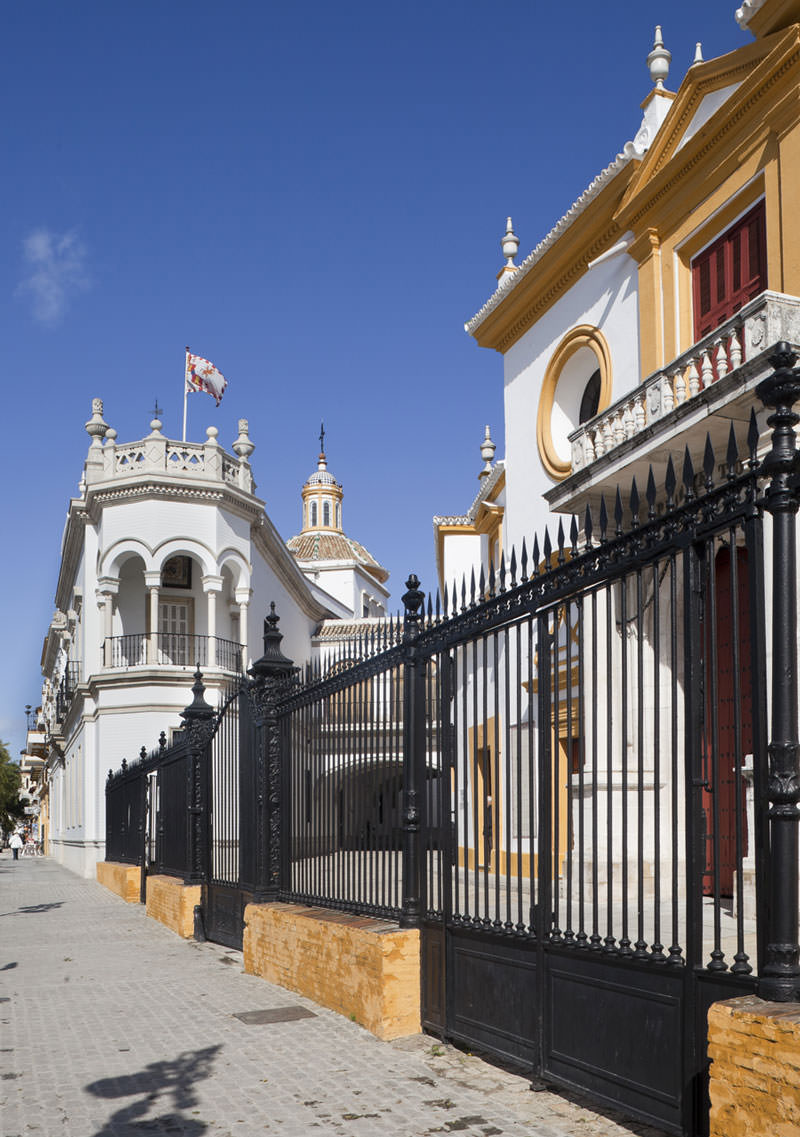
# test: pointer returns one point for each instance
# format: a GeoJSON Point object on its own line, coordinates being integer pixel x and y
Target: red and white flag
{"type": "Point", "coordinates": [202, 375]}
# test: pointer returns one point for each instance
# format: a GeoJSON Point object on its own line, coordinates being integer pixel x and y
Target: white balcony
{"type": "Point", "coordinates": [701, 392]}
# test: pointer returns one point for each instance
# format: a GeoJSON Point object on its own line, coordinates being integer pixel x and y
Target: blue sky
{"type": "Point", "coordinates": [312, 194]}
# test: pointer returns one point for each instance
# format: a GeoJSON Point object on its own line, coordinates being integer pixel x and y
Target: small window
{"type": "Point", "coordinates": [590, 400]}
{"type": "Point", "coordinates": [313, 513]}
{"type": "Point", "coordinates": [730, 272]}
{"type": "Point", "coordinates": [365, 606]}
{"type": "Point", "coordinates": [326, 513]}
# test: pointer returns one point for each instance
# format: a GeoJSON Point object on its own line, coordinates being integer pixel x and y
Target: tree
{"type": "Point", "coordinates": [12, 809]}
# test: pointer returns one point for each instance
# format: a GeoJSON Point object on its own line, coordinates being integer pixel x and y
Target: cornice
{"type": "Point", "coordinates": [761, 17]}
{"type": "Point", "coordinates": [72, 544]}
{"type": "Point", "coordinates": [224, 494]}
{"type": "Point", "coordinates": [539, 291]}
{"type": "Point", "coordinates": [512, 283]}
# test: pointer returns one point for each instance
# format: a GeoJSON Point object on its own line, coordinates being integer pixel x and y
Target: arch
{"type": "Point", "coordinates": [584, 336]}
{"type": "Point", "coordinates": [112, 559]}
{"type": "Point", "coordinates": [238, 565]}
{"type": "Point", "coordinates": [185, 547]}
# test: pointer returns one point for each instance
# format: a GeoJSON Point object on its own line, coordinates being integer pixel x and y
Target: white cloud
{"type": "Point", "coordinates": [55, 271]}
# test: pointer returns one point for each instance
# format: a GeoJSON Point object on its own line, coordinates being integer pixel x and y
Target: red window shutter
{"type": "Point", "coordinates": [730, 272]}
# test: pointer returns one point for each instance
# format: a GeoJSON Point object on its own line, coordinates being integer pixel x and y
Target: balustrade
{"type": "Point", "coordinates": [747, 335]}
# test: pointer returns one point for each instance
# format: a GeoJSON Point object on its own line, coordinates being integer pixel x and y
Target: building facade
{"type": "Point", "coordinates": [168, 561]}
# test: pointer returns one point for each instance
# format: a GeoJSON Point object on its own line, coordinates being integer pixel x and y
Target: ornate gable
{"type": "Point", "coordinates": [709, 89]}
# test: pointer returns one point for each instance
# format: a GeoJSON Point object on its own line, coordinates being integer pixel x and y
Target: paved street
{"type": "Point", "coordinates": [111, 1026]}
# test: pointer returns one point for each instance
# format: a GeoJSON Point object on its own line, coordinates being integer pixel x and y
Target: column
{"type": "Point", "coordinates": [107, 589]}
{"type": "Point", "coordinates": [242, 596]}
{"type": "Point", "coordinates": [152, 582]}
{"type": "Point", "coordinates": [211, 586]}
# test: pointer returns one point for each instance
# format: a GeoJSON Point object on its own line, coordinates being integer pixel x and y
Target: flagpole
{"type": "Point", "coordinates": [185, 392]}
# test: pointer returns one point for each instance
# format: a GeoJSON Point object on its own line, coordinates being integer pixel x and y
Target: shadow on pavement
{"type": "Point", "coordinates": [41, 907]}
{"type": "Point", "coordinates": [27, 909]}
{"type": "Point", "coordinates": [174, 1080]}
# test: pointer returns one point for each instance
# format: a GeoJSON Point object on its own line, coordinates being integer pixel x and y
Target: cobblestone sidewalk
{"type": "Point", "coordinates": [111, 1026]}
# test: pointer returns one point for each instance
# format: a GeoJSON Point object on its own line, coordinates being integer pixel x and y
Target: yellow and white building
{"type": "Point", "coordinates": [646, 316]}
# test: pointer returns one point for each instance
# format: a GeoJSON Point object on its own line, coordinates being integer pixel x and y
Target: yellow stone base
{"type": "Point", "coordinates": [124, 880]}
{"type": "Point", "coordinates": [366, 969]}
{"type": "Point", "coordinates": [754, 1047]}
{"type": "Point", "coordinates": [172, 902]}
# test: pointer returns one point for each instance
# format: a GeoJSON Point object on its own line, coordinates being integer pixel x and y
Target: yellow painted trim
{"type": "Point", "coordinates": [774, 16]}
{"type": "Point", "coordinates": [585, 335]}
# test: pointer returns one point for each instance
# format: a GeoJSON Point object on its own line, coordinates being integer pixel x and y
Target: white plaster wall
{"type": "Point", "coordinates": [462, 553]}
{"type": "Point", "coordinates": [605, 297]}
{"type": "Point", "coordinates": [295, 626]}
{"type": "Point", "coordinates": [346, 583]}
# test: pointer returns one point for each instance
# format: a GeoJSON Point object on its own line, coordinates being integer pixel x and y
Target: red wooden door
{"type": "Point", "coordinates": [733, 682]}
{"type": "Point", "coordinates": [729, 272]}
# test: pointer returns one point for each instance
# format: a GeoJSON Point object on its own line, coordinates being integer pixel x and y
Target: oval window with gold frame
{"type": "Point", "coordinates": [577, 386]}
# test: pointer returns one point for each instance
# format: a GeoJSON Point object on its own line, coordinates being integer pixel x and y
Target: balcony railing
{"type": "Point", "coordinates": [66, 689]}
{"type": "Point", "coordinates": [733, 347]}
{"type": "Point", "coordinates": [173, 650]}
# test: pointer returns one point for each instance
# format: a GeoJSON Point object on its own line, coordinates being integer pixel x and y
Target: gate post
{"type": "Point", "coordinates": [779, 977]}
{"type": "Point", "coordinates": [271, 675]}
{"type": "Point", "coordinates": [413, 754]}
{"type": "Point", "coordinates": [198, 720]}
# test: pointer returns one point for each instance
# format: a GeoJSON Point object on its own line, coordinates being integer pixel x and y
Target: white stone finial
{"type": "Point", "coordinates": [243, 446]}
{"type": "Point", "coordinates": [487, 453]}
{"type": "Point", "coordinates": [96, 427]}
{"type": "Point", "coordinates": [211, 435]}
{"type": "Point", "coordinates": [155, 425]}
{"type": "Point", "coordinates": [658, 60]}
{"type": "Point", "coordinates": [510, 245]}
{"type": "Point", "coordinates": [698, 54]}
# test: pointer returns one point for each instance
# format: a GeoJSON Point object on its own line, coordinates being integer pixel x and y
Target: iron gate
{"type": "Point", "coordinates": [598, 888]}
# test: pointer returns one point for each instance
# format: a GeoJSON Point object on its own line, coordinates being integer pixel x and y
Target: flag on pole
{"type": "Point", "coordinates": [202, 375]}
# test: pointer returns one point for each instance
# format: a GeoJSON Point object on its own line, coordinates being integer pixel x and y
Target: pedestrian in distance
{"type": "Point", "coordinates": [15, 844]}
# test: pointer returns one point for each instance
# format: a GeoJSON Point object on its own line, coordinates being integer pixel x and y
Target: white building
{"type": "Point", "coordinates": [168, 560]}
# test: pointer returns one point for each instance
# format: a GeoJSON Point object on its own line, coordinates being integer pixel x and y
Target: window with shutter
{"type": "Point", "coordinates": [730, 272]}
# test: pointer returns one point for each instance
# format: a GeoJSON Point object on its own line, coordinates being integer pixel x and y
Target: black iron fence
{"type": "Point", "coordinates": [560, 770]}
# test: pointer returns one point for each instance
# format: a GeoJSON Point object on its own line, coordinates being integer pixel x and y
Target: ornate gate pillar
{"type": "Point", "coordinates": [272, 675]}
{"type": "Point", "coordinates": [198, 719]}
{"type": "Point", "coordinates": [779, 977]}
{"type": "Point", "coordinates": [413, 755]}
